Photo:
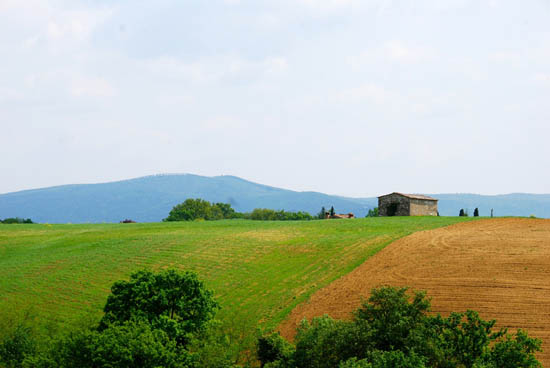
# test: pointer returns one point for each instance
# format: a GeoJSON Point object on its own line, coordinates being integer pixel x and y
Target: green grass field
{"type": "Point", "coordinates": [258, 270]}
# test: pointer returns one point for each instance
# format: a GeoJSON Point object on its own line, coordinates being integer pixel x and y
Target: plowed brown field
{"type": "Point", "coordinates": [498, 267]}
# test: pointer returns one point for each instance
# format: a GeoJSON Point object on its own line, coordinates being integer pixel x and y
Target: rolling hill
{"type": "Point", "coordinates": [150, 198]}
{"type": "Point", "coordinates": [59, 276]}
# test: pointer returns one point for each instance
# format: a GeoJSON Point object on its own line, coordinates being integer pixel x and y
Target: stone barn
{"type": "Point", "coordinates": [399, 204]}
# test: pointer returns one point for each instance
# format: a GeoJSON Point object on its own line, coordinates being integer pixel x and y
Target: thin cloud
{"type": "Point", "coordinates": [92, 87]}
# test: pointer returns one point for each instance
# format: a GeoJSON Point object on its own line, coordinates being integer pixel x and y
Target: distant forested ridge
{"type": "Point", "coordinates": [150, 199]}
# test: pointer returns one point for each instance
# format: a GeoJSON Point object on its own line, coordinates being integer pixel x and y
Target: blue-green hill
{"type": "Point", "coordinates": [150, 198]}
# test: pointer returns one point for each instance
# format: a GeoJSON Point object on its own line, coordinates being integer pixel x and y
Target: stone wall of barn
{"type": "Point", "coordinates": [420, 207]}
{"type": "Point", "coordinates": [386, 202]}
{"type": "Point", "coordinates": [405, 206]}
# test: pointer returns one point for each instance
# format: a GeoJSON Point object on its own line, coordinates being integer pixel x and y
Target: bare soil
{"type": "Point", "coordinates": [498, 267]}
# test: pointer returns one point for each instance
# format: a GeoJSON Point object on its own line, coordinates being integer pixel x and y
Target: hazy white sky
{"type": "Point", "coordinates": [348, 97]}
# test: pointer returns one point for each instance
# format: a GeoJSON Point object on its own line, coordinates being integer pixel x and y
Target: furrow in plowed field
{"type": "Point", "coordinates": [498, 267]}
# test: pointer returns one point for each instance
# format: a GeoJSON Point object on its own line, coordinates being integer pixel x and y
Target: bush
{"type": "Point", "coordinates": [226, 210]}
{"type": "Point", "coordinates": [273, 347]}
{"type": "Point", "coordinates": [265, 214]}
{"type": "Point", "coordinates": [385, 359]}
{"type": "Point", "coordinates": [373, 212]}
{"type": "Point", "coordinates": [392, 319]}
{"type": "Point", "coordinates": [199, 209]}
{"type": "Point", "coordinates": [193, 209]}
{"type": "Point", "coordinates": [150, 321]}
{"type": "Point", "coordinates": [16, 346]}
{"type": "Point", "coordinates": [393, 329]}
{"type": "Point", "coordinates": [177, 303]}
{"type": "Point", "coordinates": [214, 348]}
{"type": "Point", "coordinates": [196, 209]}
{"type": "Point", "coordinates": [16, 220]}
{"type": "Point", "coordinates": [126, 345]}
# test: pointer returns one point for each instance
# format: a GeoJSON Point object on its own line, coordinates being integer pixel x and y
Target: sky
{"type": "Point", "coordinates": [349, 97]}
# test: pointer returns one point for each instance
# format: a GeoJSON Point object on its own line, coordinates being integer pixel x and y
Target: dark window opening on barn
{"type": "Point", "coordinates": [392, 209]}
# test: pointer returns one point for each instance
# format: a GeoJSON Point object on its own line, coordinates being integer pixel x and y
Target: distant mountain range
{"type": "Point", "coordinates": [150, 198]}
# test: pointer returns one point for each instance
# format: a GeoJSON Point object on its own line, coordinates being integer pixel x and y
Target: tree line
{"type": "Point", "coordinates": [394, 329]}
{"type": "Point", "coordinates": [200, 209]}
{"type": "Point", "coordinates": [166, 319]}
{"type": "Point", "coordinates": [16, 220]}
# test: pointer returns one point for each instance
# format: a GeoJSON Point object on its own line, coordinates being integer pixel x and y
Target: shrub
{"type": "Point", "coordinates": [385, 359]}
{"type": "Point", "coordinates": [149, 321]}
{"type": "Point", "coordinates": [194, 209]}
{"type": "Point", "coordinates": [16, 220]}
{"type": "Point", "coordinates": [226, 210]}
{"type": "Point", "coordinates": [325, 342]}
{"type": "Point", "coordinates": [126, 345]}
{"type": "Point", "coordinates": [373, 212]}
{"type": "Point", "coordinates": [393, 329]}
{"type": "Point", "coordinates": [177, 303]}
{"type": "Point", "coordinates": [265, 214]}
{"type": "Point", "coordinates": [272, 347]}
{"type": "Point", "coordinates": [16, 346]}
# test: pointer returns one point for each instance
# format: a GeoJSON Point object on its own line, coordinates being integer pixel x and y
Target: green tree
{"type": "Point", "coordinates": [16, 346]}
{"type": "Point", "coordinates": [322, 214]}
{"type": "Point", "coordinates": [126, 345]}
{"type": "Point", "coordinates": [391, 318]}
{"type": "Point", "coordinates": [373, 212]}
{"type": "Point", "coordinates": [193, 209]}
{"type": "Point", "coordinates": [386, 359]}
{"type": "Point", "coordinates": [476, 212]}
{"type": "Point", "coordinates": [332, 211]}
{"type": "Point", "coordinates": [16, 220]}
{"type": "Point", "coordinates": [325, 342]}
{"type": "Point", "coordinates": [266, 214]}
{"type": "Point", "coordinates": [394, 329]}
{"type": "Point", "coordinates": [177, 303]}
{"type": "Point", "coordinates": [227, 211]}
{"type": "Point", "coordinates": [272, 347]}
{"type": "Point", "coordinates": [515, 351]}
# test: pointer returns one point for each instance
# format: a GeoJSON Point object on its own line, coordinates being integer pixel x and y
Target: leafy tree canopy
{"type": "Point", "coordinates": [126, 345]}
{"type": "Point", "coordinates": [193, 209]}
{"type": "Point", "coordinates": [267, 214]}
{"type": "Point", "coordinates": [177, 303]}
{"type": "Point", "coordinates": [394, 329]}
{"type": "Point", "coordinates": [373, 212]}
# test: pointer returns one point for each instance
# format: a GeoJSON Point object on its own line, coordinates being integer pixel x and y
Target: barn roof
{"type": "Point", "coordinates": [412, 196]}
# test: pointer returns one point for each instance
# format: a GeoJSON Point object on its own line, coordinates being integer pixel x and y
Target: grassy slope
{"type": "Point", "coordinates": [258, 270]}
